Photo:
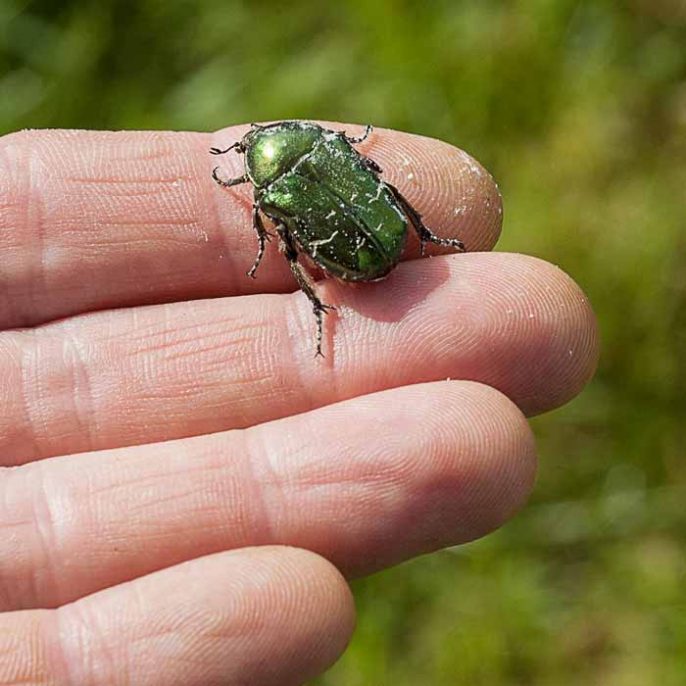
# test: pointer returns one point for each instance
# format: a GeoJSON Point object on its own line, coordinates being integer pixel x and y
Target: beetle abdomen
{"type": "Point", "coordinates": [341, 214]}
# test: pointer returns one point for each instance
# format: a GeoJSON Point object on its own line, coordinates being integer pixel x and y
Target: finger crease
{"type": "Point", "coordinates": [265, 485]}
{"type": "Point", "coordinates": [29, 378]}
{"type": "Point", "coordinates": [45, 517]}
{"type": "Point", "coordinates": [83, 397]}
{"type": "Point", "coordinates": [34, 226]}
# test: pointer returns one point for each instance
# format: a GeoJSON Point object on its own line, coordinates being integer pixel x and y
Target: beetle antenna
{"type": "Point", "coordinates": [218, 151]}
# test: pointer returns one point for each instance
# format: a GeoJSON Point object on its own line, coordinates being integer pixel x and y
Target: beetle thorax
{"type": "Point", "coordinates": [274, 150]}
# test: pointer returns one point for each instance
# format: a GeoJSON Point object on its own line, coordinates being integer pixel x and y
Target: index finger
{"type": "Point", "coordinates": [92, 220]}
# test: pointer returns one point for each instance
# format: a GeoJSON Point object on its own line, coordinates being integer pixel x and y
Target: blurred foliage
{"type": "Point", "coordinates": [579, 110]}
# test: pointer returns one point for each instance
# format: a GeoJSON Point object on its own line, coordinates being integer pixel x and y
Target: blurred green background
{"type": "Point", "coordinates": [579, 110]}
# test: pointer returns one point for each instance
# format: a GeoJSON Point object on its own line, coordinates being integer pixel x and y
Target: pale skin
{"type": "Point", "coordinates": [180, 479]}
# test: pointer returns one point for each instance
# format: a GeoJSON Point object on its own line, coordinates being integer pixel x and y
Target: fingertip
{"type": "Point", "coordinates": [485, 463]}
{"type": "Point", "coordinates": [532, 330]}
{"type": "Point", "coordinates": [506, 436]}
{"type": "Point", "coordinates": [564, 344]}
{"type": "Point", "coordinates": [326, 588]}
{"type": "Point", "coordinates": [267, 616]}
{"type": "Point", "coordinates": [456, 195]}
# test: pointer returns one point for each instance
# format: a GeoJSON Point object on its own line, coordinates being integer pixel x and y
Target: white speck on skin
{"type": "Point", "coordinates": [472, 164]}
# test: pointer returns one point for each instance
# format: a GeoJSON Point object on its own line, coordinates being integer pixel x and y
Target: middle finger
{"type": "Point", "coordinates": [129, 377]}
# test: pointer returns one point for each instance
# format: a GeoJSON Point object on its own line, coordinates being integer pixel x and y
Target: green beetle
{"type": "Point", "coordinates": [326, 200]}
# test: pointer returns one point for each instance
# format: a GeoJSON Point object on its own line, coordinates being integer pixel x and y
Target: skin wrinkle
{"type": "Point", "coordinates": [93, 647]}
{"type": "Point", "coordinates": [85, 414]}
{"type": "Point", "coordinates": [178, 351]}
{"type": "Point", "coordinates": [57, 665]}
{"type": "Point", "coordinates": [22, 653]}
{"type": "Point", "coordinates": [374, 494]}
{"type": "Point", "coordinates": [104, 208]}
{"type": "Point", "coordinates": [166, 339]}
{"type": "Point", "coordinates": [27, 370]}
{"type": "Point", "coordinates": [45, 535]}
{"type": "Point", "coordinates": [8, 235]}
{"type": "Point", "coordinates": [15, 420]}
{"type": "Point", "coordinates": [213, 492]}
{"type": "Point", "coordinates": [253, 525]}
{"type": "Point", "coordinates": [33, 218]}
{"type": "Point", "coordinates": [12, 527]}
{"type": "Point", "coordinates": [17, 205]}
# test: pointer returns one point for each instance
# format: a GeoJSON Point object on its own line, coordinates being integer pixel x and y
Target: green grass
{"type": "Point", "coordinates": [579, 110]}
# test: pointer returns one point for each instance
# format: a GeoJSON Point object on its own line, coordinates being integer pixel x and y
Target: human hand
{"type": "Point", "coordinates": [367, 457]}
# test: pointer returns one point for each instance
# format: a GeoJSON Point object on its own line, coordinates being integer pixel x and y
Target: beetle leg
{"type": "Point", "coordinates": [229, 182]}
{"type": "Point", "coordinates": [290, 252]}
{"type": "Point", "coordinates": [371, 165]}
{"type": "Point", "coordinates": [358, 139]}
{"type": "Point", "coordinates": [262, 236]}
{"type": "Point", "coordinates": [425, 234]}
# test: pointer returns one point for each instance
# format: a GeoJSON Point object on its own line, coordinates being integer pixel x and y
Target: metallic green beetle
{"type": "Point", "coordinates": [327, 201]}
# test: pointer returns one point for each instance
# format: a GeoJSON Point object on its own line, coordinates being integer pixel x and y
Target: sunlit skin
{"type": "Point", "coordinates": [127, 320]}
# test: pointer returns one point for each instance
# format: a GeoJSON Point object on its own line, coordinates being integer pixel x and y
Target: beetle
{"type": "Point", "coordinates": [326, 200]}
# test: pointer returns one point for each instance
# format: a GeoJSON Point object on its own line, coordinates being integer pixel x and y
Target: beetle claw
{"type": "Point", "coordinates": [324, 307]}
{"type": "Point", "coordinates": [359, 139]}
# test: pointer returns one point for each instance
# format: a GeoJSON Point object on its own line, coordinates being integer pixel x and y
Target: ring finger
{"type": "Point", "coordinates": [365, 483]}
